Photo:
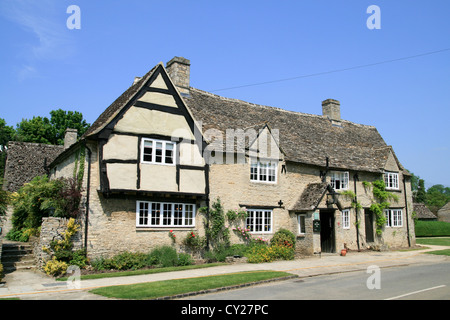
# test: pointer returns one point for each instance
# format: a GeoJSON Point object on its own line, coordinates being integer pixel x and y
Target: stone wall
{"type": "Point", "coordinates": [52, 229]}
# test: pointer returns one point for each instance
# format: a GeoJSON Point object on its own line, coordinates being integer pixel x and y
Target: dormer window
{"type": "Point", "coordinates": [263, 171]}
{"type": "Point", "coordinates": [391, 180]}
{"type": "Point", "coordinates": [158, 151]}
{"type": "Point", "coordinates": [339, 180]}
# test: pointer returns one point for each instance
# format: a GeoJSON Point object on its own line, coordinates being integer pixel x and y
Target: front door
{"type": "Point", "coordinates": [327, 241]}
{"type": "Point", "coordinates": [368, 217]}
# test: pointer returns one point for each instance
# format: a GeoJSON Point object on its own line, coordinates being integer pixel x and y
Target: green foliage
{"type": "Point", "coordinates": [41, 197]}
{"type": "Point", "coordinates": [194, 241]}
{"type": "Point", "coordinates": [283, 237]}
{"type": "Point", "coordinates": [233, 215]}
{"type": "Point", "coordinates": [4, 199]}
{"type": "Point", "coordinates": [61, 120]}
{"type": "Point", "coordinates": [437, 196]}
{"type": "Point", "coordinates": [62, 254]}
{"type": "Point", "coordinates": [55, 268]}
{"type": "Point", "coordinates": [432, 228]}
{"type": "Point", "coordinates": [378, 207]}
{"type": "Point", "coordinates": [263, 253]}
{"type": "Point", "coordinates": [51, 131]}
{"type": "Point", "coordinates": [32, 202]}
{"type": "Point", "coordinates": [217, 233]}
{"type": "Point", "coordinates": [420, 194]}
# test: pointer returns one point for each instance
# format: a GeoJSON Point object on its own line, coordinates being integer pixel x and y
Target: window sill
{"type": "Point", "coordinates": [164, 228]}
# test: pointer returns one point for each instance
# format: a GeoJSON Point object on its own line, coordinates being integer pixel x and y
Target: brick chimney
{"type": "Point", "coordinates": [332, 109]}
{"type": "Point", "coordinates": [70, 137]}
{"type": "Point", "coordinates": [179, 71]}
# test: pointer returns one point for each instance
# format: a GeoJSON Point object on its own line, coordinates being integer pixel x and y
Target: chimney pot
{"type": "Point", "coordinates": [179, 71]}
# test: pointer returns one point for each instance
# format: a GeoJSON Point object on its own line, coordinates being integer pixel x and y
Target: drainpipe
{"type": "Point", "coordinates": [88, 188]}
{"type": "Point", "coordinates": [355, 178]}
{"type": "Point", "coordinates": [406, 209]}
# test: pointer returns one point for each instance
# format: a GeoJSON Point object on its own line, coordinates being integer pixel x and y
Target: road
{"type": "Point", "coordinates": [412, 282]}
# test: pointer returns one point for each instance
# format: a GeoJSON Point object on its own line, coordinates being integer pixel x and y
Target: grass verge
{"type": "Point", "coordinates": [444, 241]}
{"type": "Point", "coordinates": [434, 241]}
{"type": "Point", "coordinates": [142, 271]}
{"type": "Point", "coordinates": [152, 290]}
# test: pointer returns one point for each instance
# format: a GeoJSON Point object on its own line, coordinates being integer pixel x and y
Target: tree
{"type": "Point", "coordinates": [51, 131]}
{"type": "Point", "coordinates": [38, 130]}
{"type": "Point", "coordinates": [437, 196]}
{"type": "Point", "coordinates": [420, 195]}
{"type": "Point", "coordinates": [7, 133]}
{"type": "Point", "coordinates": [61, 120]}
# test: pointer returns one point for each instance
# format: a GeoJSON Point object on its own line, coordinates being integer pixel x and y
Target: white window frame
{"type": "Point", "coordinates": [391, 180]}
{"type": "Point", "coordinates": [164, 149]}
{"type": "Point", "coordinates": [165, 214]}
{"type": "Point", "coordinates": [342, 177]}
{"type": "Point", "coordinates": [301, 225]}
{"type": "Point", "coordinates": [259, 220]}
{"type": "Point", "coordinates": [346, 219]}
{"type": "Point", "coordinates": [263, 170]}
{"type": "Point", "coordinates": [394, 218]}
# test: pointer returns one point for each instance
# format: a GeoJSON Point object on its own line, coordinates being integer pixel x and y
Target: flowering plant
{"type": "Point", "coordinates": [235, 214]}
{"type": "Point", "coordinates": [172, 236]}
{"type": "Point", "coordinates": [244, 233]}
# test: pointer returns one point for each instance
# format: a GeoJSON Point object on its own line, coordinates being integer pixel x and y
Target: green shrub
{"type": "Point", "coordinates": [79, 258]}
{"type": "Point", "coordinates": [283, 237]}
{"type": "Point", "coordinates": [432, 228]}
{"type": "Point", "coordinates": [263, 253]}
{"type": "Point", "coordinates": [165, 256]}
{"type": "Point", "coordinates": [184, 259]}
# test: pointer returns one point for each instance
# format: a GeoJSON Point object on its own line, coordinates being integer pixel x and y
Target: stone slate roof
{"type": "Point", "coordinates": [304, 138]}
{"type": "Point", "coordinates": [310, 197]}
{"type": "Point", "coordinates": [422, 212]}
{"type": "Point", "coordinates": [27, 160]}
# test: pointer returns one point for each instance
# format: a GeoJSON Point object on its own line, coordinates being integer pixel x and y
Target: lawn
{"type": "Point", "coordinates": [152, 290]}
{"type": "Point", "coordinates": [142, 271]}
{"type": "Point", "coordinates": [444, 241]}
{"type": "Point", "coordinates": [432, 228]}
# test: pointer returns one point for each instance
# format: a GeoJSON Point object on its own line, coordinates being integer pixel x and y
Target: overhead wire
{"type": "Point", "coordinates": [332, 71]}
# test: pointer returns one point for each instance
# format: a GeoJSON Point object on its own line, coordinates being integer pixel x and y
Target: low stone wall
{"type": "Point", "coordinates": [52, 228]}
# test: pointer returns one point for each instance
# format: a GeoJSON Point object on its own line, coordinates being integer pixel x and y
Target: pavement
{"type": "Point", "coordinates": [36, 285]}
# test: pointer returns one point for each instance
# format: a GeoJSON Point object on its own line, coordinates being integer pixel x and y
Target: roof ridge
{"type": "Point", "coordinates": [276, 108]}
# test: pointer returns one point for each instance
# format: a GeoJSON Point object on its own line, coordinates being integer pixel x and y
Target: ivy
{"type": "Point", "coordinates": [217, 234]}
{"type": "Point", "coordinates": [381, 196]}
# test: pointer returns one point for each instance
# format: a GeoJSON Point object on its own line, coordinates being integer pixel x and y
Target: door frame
{"type": "Point", "coordinates": [327, 231]}
{"type": "Point", "coordinates": [368, 224]}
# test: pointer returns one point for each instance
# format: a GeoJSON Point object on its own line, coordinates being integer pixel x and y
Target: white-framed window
{"type": "Point", "coordinates": [339, 180]}
{"type": "Point", "coordinates": [301, 218]}
{"type": "Point", "coordinates": [163, 214]}
{"type": "Point", "coordinates": [346, 219]}
{"type": "Point", "coordinates": [394, 217]}
{"type": "Point", "coordinates": [259, 221]}
{"type": "Point", "coordinates": [391, 180]}
{"type": "Point", "coordinates": [263, 170]}
{"type": "Point", "coordinates": [158, 151]}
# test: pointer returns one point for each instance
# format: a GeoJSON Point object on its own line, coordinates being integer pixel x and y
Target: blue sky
{"type": "Point", "coordinates": [46, 66]}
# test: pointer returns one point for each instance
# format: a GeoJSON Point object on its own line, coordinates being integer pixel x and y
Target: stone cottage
{"type": "Point", "coordinates": [164, 149]}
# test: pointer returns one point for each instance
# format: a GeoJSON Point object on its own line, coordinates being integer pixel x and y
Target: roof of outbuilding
{"type": "Point", "coordinates": [26, 160]}
{"type": "Point", "coordinates": [422, 212]}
